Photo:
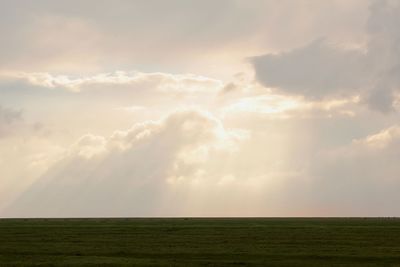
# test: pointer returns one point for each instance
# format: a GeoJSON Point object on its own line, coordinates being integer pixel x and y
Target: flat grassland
{"type": "Point", "coordinates": [200, 242]}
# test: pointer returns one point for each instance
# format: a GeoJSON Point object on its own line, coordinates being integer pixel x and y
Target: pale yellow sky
{"type": "Point", "coordinates": [199, 108]}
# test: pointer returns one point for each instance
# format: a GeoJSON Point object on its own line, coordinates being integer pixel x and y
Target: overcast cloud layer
{"type": "Point", "coordinates": [199, 108]}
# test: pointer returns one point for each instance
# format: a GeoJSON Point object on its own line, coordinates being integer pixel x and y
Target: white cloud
{"type": "Point", "coordinates": [274, 106]}
{"type": "Point", "coordinates": [163, 82]}
{"type": "Point", "coordinates": [385, 139]}
{"type": "Point", "coordinates": [128, 172]}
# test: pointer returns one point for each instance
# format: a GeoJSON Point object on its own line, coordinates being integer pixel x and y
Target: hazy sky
{"type": "Point", "coordinates": [199, 108]}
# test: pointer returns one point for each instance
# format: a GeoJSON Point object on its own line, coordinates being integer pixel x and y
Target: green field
{"type": "Point", "coordinates": [200, 242]}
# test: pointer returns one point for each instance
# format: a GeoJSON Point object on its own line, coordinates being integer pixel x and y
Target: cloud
{"type": "Point", "coordinates": [385, 139]}
{"type": "Point", "coordinates": [108, 93]}
{"type": "Point", "coordinates": [316, 70]}
{"type": "Point", "coordinates": [188, 163]}
{"type": "Point", "coordinates": [203, 37]}
{"type": "Point", "coordinates": [360, 178]}
{"type": "Point", "coordinates": [277, 107]}
{"type": "Point", "coordinates": [321, 70]}
{"type": "Point", "coordinates": [8, 119]}
{"type": "Point", "coordinates": [62, 36]}
{"type": "Point", "coordinates": [128, 173]}
{"type": "Point", "coordinates": [26, 151]}
{"type": "Point", "coordinates": [160, 81]}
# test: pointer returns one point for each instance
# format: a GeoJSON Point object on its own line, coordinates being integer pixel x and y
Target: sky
{"type": "Point", "coordinates": [199, 108]}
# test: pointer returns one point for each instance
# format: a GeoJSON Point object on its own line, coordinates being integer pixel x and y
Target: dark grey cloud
{"type": "Point", "coordinates": [320, 69]}
{"type": "Point", "coordinates": [315, 70]}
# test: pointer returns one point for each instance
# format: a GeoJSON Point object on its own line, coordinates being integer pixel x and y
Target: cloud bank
{"type": "Point", "coordinates": [130, 172]}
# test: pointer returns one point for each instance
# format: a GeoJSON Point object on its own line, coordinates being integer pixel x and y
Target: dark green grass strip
{"type": "Point", "coordinates": [200, 242]}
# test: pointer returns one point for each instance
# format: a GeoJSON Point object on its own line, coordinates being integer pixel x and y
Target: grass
{"type": "Point", "coordinates": [200, 242]}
